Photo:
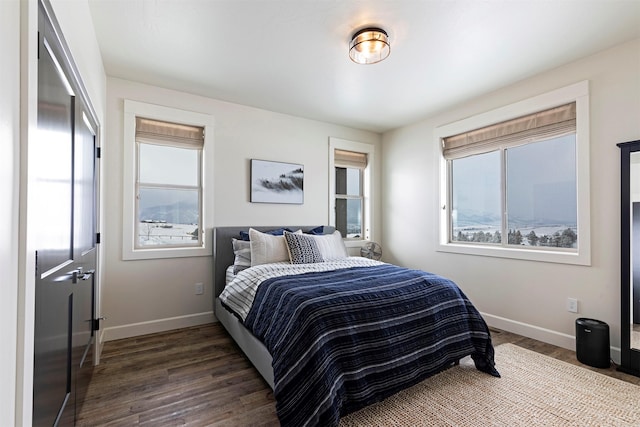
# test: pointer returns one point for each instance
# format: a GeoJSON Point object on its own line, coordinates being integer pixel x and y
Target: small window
{"type": "Point", "coordinates": [518, 188]}
{"type": "Point", "coordinates": [168, 185]}
{"type": "Point", "coordinates": [168, 169]}
{"type": "Point", "coordinates": [351, 171]}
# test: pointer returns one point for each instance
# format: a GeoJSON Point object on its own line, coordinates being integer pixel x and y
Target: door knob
{"type": "Point", "coordinates": [87, 274]}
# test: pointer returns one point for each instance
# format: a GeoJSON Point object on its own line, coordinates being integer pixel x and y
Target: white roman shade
{"type": "Point", "coordinates": [352, 159]}
{"type": "Point", "coordinates": [166, 133]}
{"type": "Point", "coordinates": [551, 123]}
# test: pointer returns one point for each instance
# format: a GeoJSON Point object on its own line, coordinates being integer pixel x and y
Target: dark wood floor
{"type": "Point", "coordinates": [198, 376]}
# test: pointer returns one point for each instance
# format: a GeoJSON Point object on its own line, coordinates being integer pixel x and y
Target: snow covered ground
{"type": "Point", "coordinates": [154, 233]}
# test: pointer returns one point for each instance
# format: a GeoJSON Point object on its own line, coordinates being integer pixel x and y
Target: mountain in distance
{"type": "Point", "coordinates": [477, 220]}
{"type": "Point", "coordinates": [474, 219]}
{"type": "Point", "coordinates": [174, 213]}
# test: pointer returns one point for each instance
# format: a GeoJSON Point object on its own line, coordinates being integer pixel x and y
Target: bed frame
{"type": "Point", "coordinates": [223, 257]}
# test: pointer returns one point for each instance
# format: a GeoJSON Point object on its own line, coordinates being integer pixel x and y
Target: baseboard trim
{"type": "Point", "coordinates": [161, 325]}
{"type": "Point", "coordinates": [541, 334]}
{"type": "Point", "coordinates": [154, 326]}
{"type": "Point", "coordinates": [100, 337]}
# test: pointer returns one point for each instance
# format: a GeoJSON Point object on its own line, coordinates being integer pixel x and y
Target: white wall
{"type": "Point", "coordinates": [153, 295]}
{"type": "Point", "coordinates": [523, 296]}
{"type": "Point", "coordinates": [9, 179]}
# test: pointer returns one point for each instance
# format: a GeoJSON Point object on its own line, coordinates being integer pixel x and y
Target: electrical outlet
{"type": "Point", "coordinates": [199, 288]}
{"type": "Point", "coordinates": [572, 305]}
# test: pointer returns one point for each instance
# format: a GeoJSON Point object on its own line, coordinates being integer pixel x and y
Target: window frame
{"type": "Point", "coordinates": [578, 93]}
{"type": "Point", "coordinates": [130, 250]}
{"type": "Point", "coordinates": [347, 197]}
{"type": "Point", "coordinates": [148, 186]}
{"type": "Point", "coordinates": [366, 179]}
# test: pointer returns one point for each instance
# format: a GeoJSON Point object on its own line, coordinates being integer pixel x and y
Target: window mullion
{"type": "Point", "coordinates": [503, 196]}
{"type": "Point", "coordinates": [169, 186]}
{"type": "Point", "coordinates": [449, 201]}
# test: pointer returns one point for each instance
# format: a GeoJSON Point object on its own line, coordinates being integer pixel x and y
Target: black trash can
{"type": "Point", "coordinates": [592, 342]}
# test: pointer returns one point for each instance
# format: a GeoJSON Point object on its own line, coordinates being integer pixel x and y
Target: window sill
{"type": "Point", "coordinates": [161, 253]}
{"type": "Point", "coordinates": [355, 243]}
{"type": "Point", "coordinates": [560, 257]}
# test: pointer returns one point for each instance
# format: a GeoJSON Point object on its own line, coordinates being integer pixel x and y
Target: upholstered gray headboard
{"type": "Point", "coordinates": [223, 249]}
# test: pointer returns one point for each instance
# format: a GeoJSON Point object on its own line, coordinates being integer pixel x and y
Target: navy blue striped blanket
{"type": "Point", "coordinates": [344, 339]}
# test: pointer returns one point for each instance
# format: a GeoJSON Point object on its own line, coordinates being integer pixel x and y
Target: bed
{"type": "Point", "coordinates": [332, 334]}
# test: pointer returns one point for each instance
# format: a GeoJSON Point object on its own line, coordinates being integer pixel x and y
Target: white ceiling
{"type": "Point", "coordinates": [290, 56]}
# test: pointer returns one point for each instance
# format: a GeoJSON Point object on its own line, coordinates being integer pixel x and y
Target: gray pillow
{"type": "Point", "coordinates": [242, 250]}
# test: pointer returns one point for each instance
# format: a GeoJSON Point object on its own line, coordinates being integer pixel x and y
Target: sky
{"type": "Point", "coordinates": [541, 182]}
{"type": "Point", "coordinates": [160, 164]}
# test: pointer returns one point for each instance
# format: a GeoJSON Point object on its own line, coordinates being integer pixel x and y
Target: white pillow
{"type": "Point", "coordinates": [266, 248]}
{"type": "Point", "coordinates": [331, 246]}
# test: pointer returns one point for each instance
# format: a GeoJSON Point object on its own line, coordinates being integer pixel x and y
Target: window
{"type": "Point", "coordinates": [349, 198]}
{"type": "Point", "coordinates": [518, 187]}
{"type": "Point", "coordinates": [351, 165]}
{"type": "Point", "coordinates": [168, 185]}
{"type": "Point", "coordinates": [167, 161]}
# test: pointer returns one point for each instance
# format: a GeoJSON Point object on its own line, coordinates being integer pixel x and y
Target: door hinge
{"type": "Point", "coordinates": [98, 153]}
{"type": "Point", "coordinates": [97, 237]}
{"type": "Point", "coordinates": [96, 323]}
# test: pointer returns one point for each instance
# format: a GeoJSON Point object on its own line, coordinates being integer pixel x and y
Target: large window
{"type": "Point", "coordinates": [351, 166]}
{"type": "Point", "coordinates": [518, 187]}
{"type": "Point", "coordinates": [168, 167]}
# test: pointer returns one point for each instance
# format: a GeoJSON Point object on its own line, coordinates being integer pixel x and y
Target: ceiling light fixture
{"type": "Point", "coordinates": [369, 46]}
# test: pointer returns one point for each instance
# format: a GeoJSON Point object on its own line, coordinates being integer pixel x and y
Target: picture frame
{"type": "Point", "coordinates": [277, 182]}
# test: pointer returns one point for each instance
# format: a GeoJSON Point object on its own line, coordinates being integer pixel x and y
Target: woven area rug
{"type": "Point", "coordinates": [535, 390]}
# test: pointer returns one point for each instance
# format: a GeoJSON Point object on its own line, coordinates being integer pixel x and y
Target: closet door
{"type": "Point", "coordinates": [62, 179]}
{"type": "Point", "coordinates": [51, 164]}
{"type": "Point", "coordinates": [630, 257]}
{"type": "Point", "coordinates": [635, 266]}
{"type": "Point", "coordinates": [84, 250]}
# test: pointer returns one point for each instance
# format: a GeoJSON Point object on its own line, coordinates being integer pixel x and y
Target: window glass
{"type": "Point", "coordinates": [349, 218]}
{"type": "Point", "coordinates": [348, 181]}
{"type": "Point", "coordinates": [162, 164]}
{"type": "Point", "coordinates": [168, 201]}
{"type": "Point", "coordinates": [168, 217]}
{"type": "Point", "coordinates": [353, 182]}
{"type": "Point", "coordinates": [541, 193]}
{"type": "Point", "coordinates": [349, 201]}
{"type": "Point", "coordinates": [475, 199]}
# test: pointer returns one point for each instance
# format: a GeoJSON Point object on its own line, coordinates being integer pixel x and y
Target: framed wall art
{"type": "Point", "coordinates": [276, 182]}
